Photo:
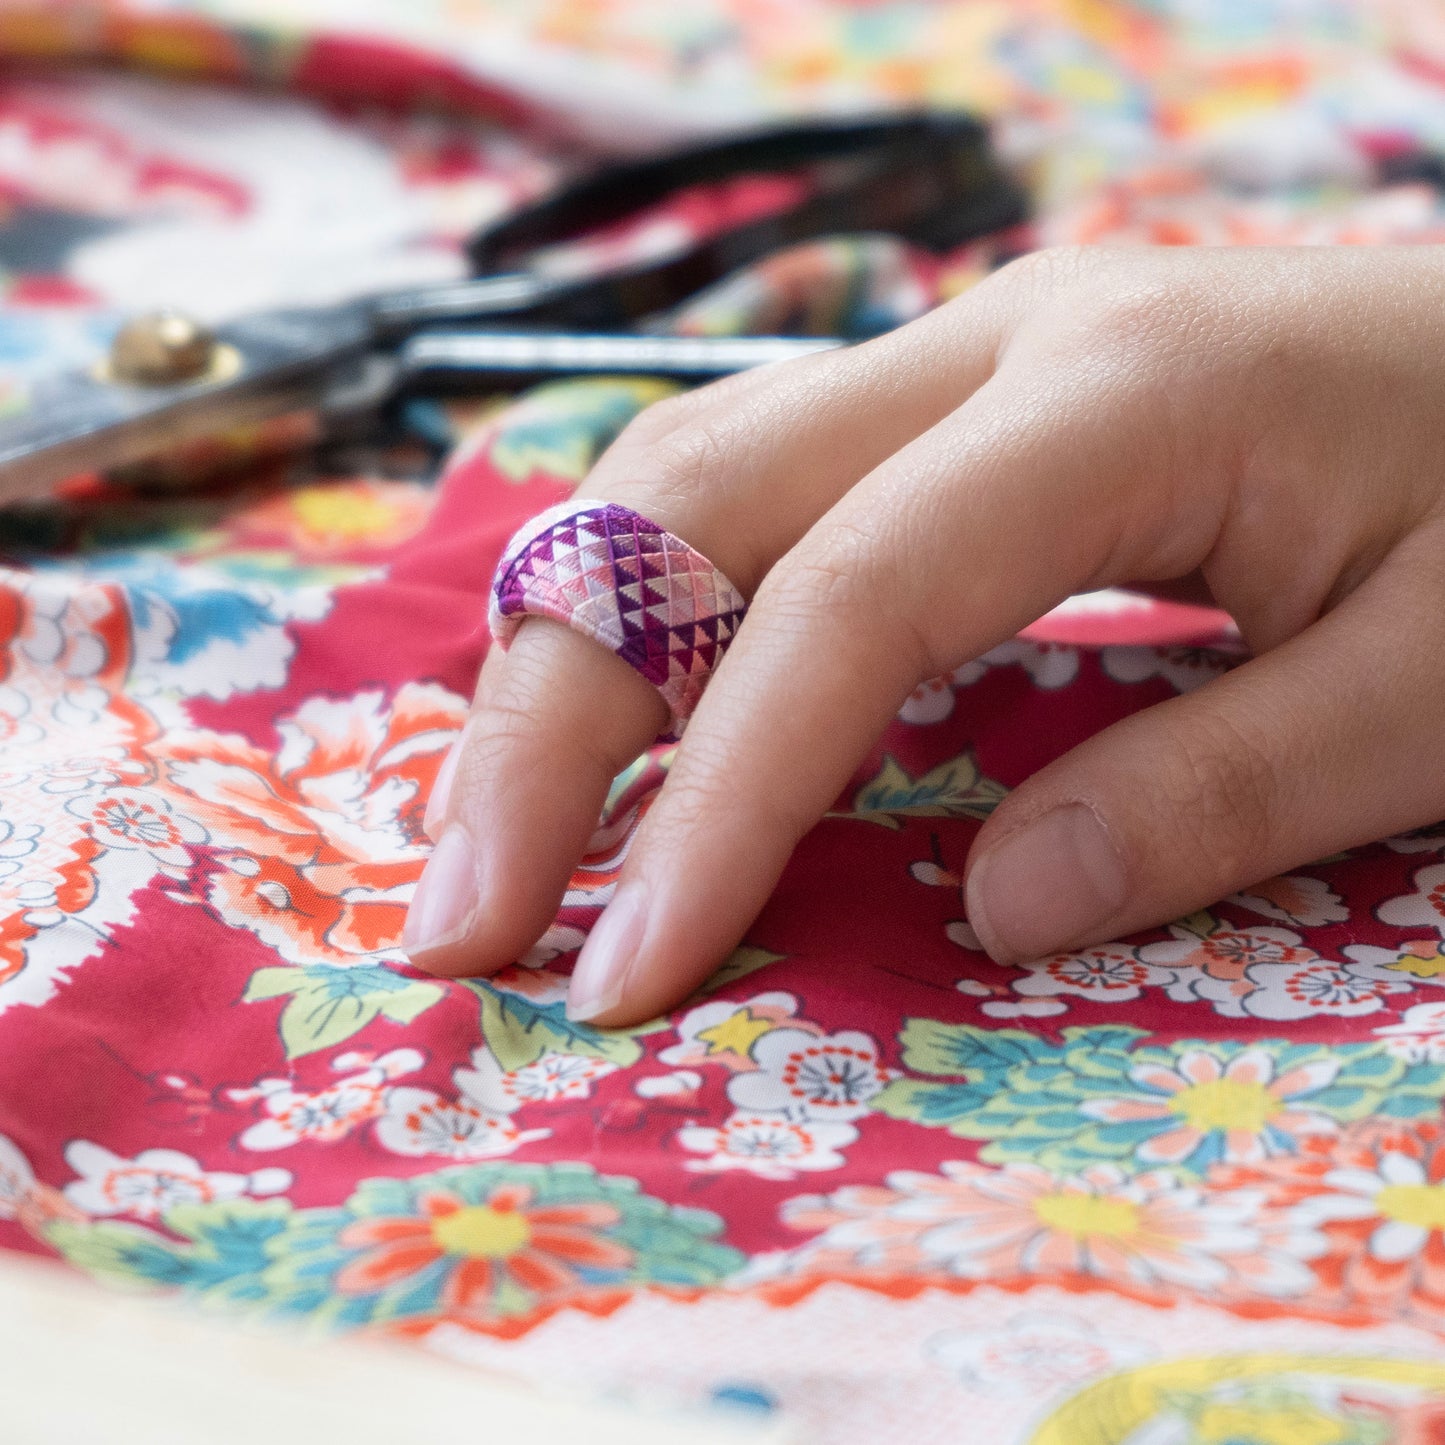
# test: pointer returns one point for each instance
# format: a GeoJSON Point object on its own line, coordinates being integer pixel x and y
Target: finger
{"type": "Point", "coordinates": [740, 473]}
{"type": "Point", "coordinates": [931, 560]}
{"type": "Point", "coordinates": [1268, 767]}
{"type": "Point", "coordinates": [531, 773]}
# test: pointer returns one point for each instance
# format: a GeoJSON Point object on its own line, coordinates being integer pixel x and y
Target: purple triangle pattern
{"type": "Point", "coordinates": [622, 580]}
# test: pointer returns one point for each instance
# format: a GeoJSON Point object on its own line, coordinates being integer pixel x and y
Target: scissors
{"type": "Point", "coordinates": [538, 301]}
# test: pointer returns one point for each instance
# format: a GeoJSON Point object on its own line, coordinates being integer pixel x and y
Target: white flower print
{"type": "Point", "coordinates": [1033, 1352]}
{"type": "Point", "coordinates": [1183, 668]}
{"type": "Point", "coordinates": [961, 933]}
{"type": "Point", "coordinates": [1024, 1008]}
{"type": "Point", "coordinates": [16, 1178]}
{"type": "Point", "coordinates": [1423, 840]}
{"type": "Point", "coordinates": [1107, 973]}
{"type": "Point", "coordinates": [805, 1076]}
{"type": "Point", "coordinates": [141, 820]}
{"type": "Point", "coordinates": [1050, 665]}
{"type": "Point", "coordinates": [293, 1115]}
{"type": "Point", "coordinates": [419, 1122]}
{"type": "Point", "coordinates": [1151, 1229]}
{"type": "Point", "coordinates": [1418, 962]}
{"type": "Point", "coordinates": [1294, 898]}
{"type": "Point", "coordinates": [681, 1085]}
{"type": "Point", "coordinates": [1239, 1109]}
{"type": "Point", "coordinates": [768, 1145]}
{"type": "Point", "coordinates": [544, 1081]}
{"type": "Point", "coordinates": [1419, 1037]}
{"type": "Point", "coordinates": [1424, 908]}
{"type": "Point", "coordinates": [18, 728]}
{"type": "Point", "coordinates": [1266, 972]}
{"type": "Point", "coordinates": [560, 938]}
{"type": "Point", "coordinates": [155, 1181]}
{"type": "Point", "coordinates": [17, 842]}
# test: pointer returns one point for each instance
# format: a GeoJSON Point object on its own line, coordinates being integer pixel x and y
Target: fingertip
{"type": "Point", "coordinates": [599, 989]}
{"type": "Point", "coordinates": [445, 900]}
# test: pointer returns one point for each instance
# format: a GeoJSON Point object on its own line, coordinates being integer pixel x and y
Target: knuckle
{"type": "Point", "coordinates": [682, 468]}
{"type": "Point", "coordinates": [655, 422]}
{"type": "Point", "coordinates": [835, 574]}
{"type": "Point", "coordinates": [694, 456]}
{"type": "Point", "coordinates": [1227, 794]}
{"type": "Point", "coordinates": [845, 578]}
{"type": "Point", "coordinates": [704, 781]}
{"type": "Point", "coordinates": [500, 731]}
{"type": "Point", "coordinates": [1037, 273]}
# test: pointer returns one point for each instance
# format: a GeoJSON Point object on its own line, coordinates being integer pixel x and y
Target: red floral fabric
{"type": "Point", "coordinates": [1188, 1186]}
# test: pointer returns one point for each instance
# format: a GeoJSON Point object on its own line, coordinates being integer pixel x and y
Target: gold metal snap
{"type": "Point", "coordinates": [164, 348]}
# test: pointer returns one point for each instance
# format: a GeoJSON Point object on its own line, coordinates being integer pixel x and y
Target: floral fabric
{"type": "Point", "coordinates": [1185, 1187]}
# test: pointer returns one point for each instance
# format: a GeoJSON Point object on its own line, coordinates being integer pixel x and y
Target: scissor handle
{"type": "Point", "coordinates": [929, 178]}
{"type": "Point", "coordinates": [903, 141]}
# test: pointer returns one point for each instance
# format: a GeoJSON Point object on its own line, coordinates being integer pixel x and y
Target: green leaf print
{"type": "Point", "coordinates": [326, 1006]}
{"type": "Point", "coordinates": [217, 1250]}
{"type": "Point", "coordinates": [955, 789]}
{"type": "Point", "coordinates": [519, 1030]}
{"type": "Point", "coordinates": [937, 1048]}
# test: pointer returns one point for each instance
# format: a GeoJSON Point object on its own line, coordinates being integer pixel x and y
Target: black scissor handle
{"type": "Point", "coordinates": [620, 191]}
{"type": "Point", "coordinates": [930, 178]}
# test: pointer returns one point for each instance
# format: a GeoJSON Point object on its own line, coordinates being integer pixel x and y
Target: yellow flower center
{"type": "Point", "coordinates": [1226, 1104]}
{"type": "Point", "coordinates": [1418, 1204]}
{"type": "Point", "coordinates": [1073, 1212]}
{"type": "Point", "coordinates": [480, 1232]}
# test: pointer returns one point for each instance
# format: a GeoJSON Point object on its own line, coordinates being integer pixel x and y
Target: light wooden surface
{"type": "Point", "coordinates": [82, 1366]}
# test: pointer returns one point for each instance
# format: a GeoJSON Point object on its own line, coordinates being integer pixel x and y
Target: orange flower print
{"type": "Point", "coordinates": [483, 1245]}
{"type": "Point", "coordinates": [1374, 1201]}
{"type": "Point", "coordinates": [1148, 1229]}
{"type": "Point", "coordinates": [320, 843]}
{"type": "Point", "coordinates": [479, 1249]}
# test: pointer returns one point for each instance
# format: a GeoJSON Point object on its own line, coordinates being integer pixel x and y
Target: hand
{"type": "Point", "coordinates": [1267, 421]}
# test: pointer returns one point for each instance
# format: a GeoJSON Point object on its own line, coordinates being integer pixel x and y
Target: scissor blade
{"type": "Point", "coordinates": [266, 365]}
{"type": "Point", "coordinates": [468, 355]}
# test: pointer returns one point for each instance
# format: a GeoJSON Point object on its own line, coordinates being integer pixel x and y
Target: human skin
{"type": "Point", "coordinates": [1262, 426]}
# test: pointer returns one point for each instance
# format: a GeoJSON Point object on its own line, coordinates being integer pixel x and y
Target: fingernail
{"type": "Point", "coordinates": [1055, 880]}
{"type": "Point", "coordinates": [441, 790]}
{"type": "Point", "coordinates": [445, 897]}
{"type": "Point", "coordinates": [606, 957]}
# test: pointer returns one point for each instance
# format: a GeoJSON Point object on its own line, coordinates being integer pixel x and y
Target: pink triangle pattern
{"type": "Point", "coordinates": [620, 579]}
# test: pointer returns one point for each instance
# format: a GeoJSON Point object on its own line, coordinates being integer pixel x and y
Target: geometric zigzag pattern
{"type": "Point", "coordinates": [641, 592]}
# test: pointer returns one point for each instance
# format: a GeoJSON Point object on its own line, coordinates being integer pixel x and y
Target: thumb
{"type": "Point", "coordinates": [1316, 746]}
